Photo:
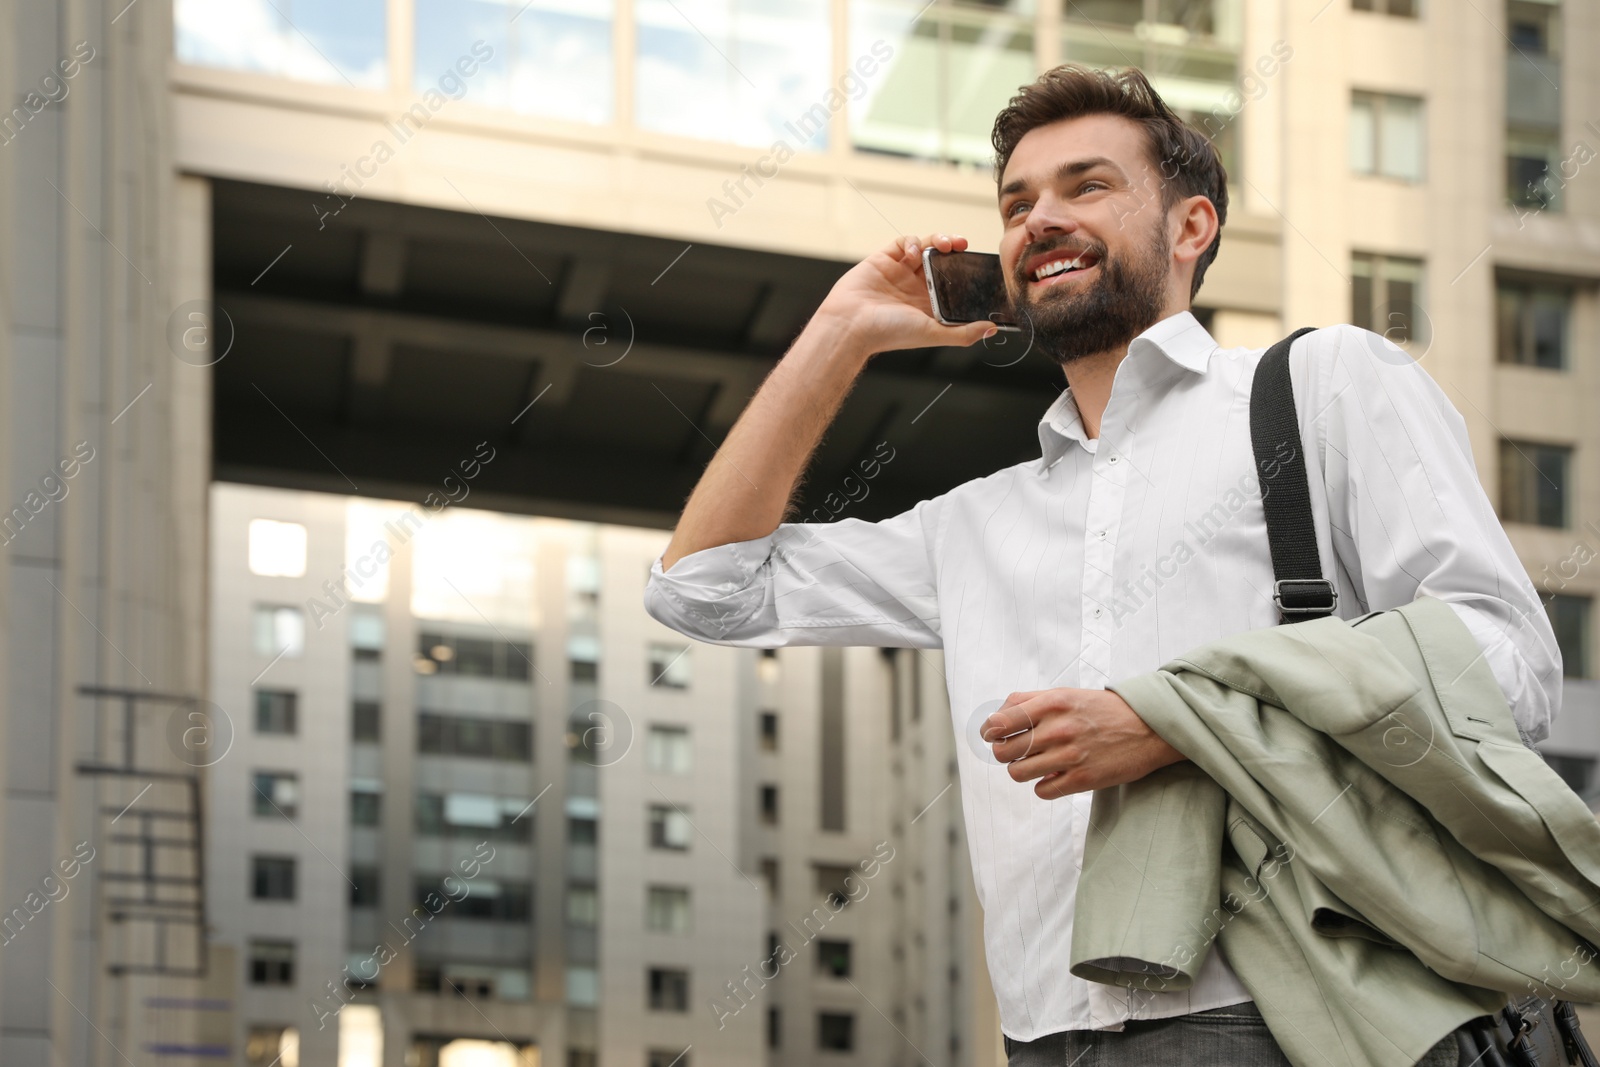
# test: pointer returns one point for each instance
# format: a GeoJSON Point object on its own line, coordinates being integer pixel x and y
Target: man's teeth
{"type": "Point", "coordinates": [1057, 267]}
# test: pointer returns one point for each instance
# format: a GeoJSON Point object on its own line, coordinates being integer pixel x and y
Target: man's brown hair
{"type": "Point", "coordinates": [1186, 159]}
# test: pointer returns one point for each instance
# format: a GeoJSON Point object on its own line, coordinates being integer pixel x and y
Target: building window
{"type": "Point", "coordinates": [473, 815]}
{"type": "Point", "coordinates": [583, 987]}
{"type": "Point", "coordinates": [833, 958]}
{"type": "Point", "coordinates": [277, 794]}
{"type": "Point", "coordinates": [1400, 8]}
{"type": "Point", "coordinates": [366, 807]}
{"type": "Point", "coordinates": [1533, 482]}
{"type": "Point", "coordinates": [278, 630]}
{"type": "Point", "coordinates": [272, 963]}
{"type": "Point", "coordinates": [666, 749]}
{"type": "Point", "coordinates": [272, 877]}
{"type": "Point", "coordinates": [277, 549]}
{"type": "Point", "coordinates": [1569, 618]}
{"type": "Point", "coordinates": [769, 873]}
{"type": "Point", "coordinates": [1532, 322]}
{"type": "Point", "coordinates": [583, 656]}
{"type": "Point", "coordinates": [489, 900]}
{"type": "Point", "coordinates": [662, 1057]}
{"type": "Point", "coordinates": [272, 1046]}
{"type": "Point", "coordinates": [364, 887]}
{"type": "Point", "coordinates": [774, 1028]}
{"type": "Point", "coordinates": [1386, 296]}
{"type": "Point", "coordinates": [669, 989]}
{"type": "Point", "coordinates": [667, 909]}
{"type": "Point", "coordinates": [461, 735]}
{"type": "Point", "coordinates": [669, 666]}
{"type": "Point", "coordinates": [669, 827]}
{"type": "Point", "coordinates": [1535, 171]}
{"type": "Point", "coordinates": [583, 906]}
{"type": "Point", "coordinates": [366, 719]}
{"type": "Point", "coordinates": [1386, 136]}
{"type": "Point", "coordinates": [835, 883]}
{"type": "Point", "coordinates": [1576, 771]}
{"type": "Point", "coordinates": [836, 1031]}
{"type": "Point", "coordinates": [473, 657]}
{"type": "Point", "coordinates": [769, 804]}
{"type": "Point", "coordinates": [769, 731]}
{"type": "Point", "coordinates": [582, 1057]}
{"type": "Point", "coordinates": [276, 711]}
{"type": "Point", "coordinates": [583, 831]}
{"type": "Point", "coordinates": [768, 669]}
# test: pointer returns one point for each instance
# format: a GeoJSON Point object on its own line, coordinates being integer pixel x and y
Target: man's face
{"type": "Point", "coordinates": [1085, 249]}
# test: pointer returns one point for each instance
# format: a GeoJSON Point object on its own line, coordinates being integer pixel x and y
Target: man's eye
{"type": "Point", "coordinates": [1012, 210]}
{"type": "Point", "coordinates": [1089, 187]}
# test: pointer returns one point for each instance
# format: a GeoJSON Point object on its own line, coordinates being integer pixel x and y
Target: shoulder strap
{"type": "Point", "coordinates": [1300, 591]}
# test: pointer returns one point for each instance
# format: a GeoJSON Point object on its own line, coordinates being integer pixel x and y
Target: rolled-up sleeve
{"type": "Point", "coordinates": [841, 583]}
{"type": "Point", "coordinates": [1409, 517]}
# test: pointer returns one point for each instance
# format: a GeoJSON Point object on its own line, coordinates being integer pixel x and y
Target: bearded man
{"type": "Point", "coordinates": [1048, 580]}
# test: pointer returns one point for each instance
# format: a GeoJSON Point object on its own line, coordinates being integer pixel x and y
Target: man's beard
{"type": "Point", "coordinates": [1070, 321]}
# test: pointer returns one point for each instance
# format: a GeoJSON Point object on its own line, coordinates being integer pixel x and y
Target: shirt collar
{"type": "Point", "coordinates": [1179, 338]}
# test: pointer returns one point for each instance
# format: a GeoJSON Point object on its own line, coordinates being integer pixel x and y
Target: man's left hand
{"type": "Point", "coordinates": [1074, 740]}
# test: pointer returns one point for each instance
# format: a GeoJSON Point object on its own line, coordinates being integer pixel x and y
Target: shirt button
{"type": "Point", "coordinates": [1100, 535]}
{"type": "Point", "coordinates": [1113, 459]}
{"type": "Point", "coordinates": [1099, 612]}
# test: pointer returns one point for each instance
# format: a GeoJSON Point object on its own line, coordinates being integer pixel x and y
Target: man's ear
{"type": "Point", "coordinates": [1195, 226]}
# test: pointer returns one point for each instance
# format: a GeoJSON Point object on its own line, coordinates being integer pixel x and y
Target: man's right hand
{"type": "Point", "coordinates": [882, 302]}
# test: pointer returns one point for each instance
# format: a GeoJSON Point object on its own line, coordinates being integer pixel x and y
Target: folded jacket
{"type": "Point", "coordinates": [1360, 830]}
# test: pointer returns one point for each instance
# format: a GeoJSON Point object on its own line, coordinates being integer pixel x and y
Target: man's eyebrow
{"type": "Point", "coordinates": [1066, 170]}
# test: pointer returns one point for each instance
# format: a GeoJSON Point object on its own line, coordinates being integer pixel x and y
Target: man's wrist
{"type": "Point", "coordinates": [834, 336]}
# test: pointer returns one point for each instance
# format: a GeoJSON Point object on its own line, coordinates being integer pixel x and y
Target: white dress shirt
{"type": "Point", "coordinates": [1107, 558]}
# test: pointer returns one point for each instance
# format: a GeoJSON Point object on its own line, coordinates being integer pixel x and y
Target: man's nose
{"type": "Point", "coordinates": [1049, 217]}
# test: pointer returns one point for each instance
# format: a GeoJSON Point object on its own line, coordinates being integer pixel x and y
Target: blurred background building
{"type": "Point", "coordinates": [288, 263]}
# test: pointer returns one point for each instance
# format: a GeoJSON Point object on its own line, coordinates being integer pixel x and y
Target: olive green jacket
{"type": "Point", "coordinates": [1360, 829]}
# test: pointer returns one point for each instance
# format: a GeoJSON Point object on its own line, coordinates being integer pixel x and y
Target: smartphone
{"type": "Point", "coordinates": [967, 287]}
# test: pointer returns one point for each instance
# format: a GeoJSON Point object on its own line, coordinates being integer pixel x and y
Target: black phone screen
{"type": "Point", "coordinates": [968, 287]}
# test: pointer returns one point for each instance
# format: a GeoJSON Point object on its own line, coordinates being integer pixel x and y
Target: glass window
{"type": "Point", "coordinates": [1386, 297]}
{"type": "Point", "coordinates": [276, 794]}
{"type": "Point", "coordinates": [272, 877]}
{"type": "Point", "coordinates": [836, 1031]}
{"type": "Point", "coordinates": [1569, 618]}
{"type": "Point", "coordinates": [667, 749]}
{"type": "Point", "coordinates": [1533, 482]}
{"type": "Point", "coordinates": [272, 1046]}
{"type": "Point", "coordinates": [752, 72]}
{"type": "Point", "coordinates": [1401, 8]}
{"type": "Point", "coordinates": [774, 1028]}
{"type": "Point", "coordinates": [833, 958]}
{"type": "Point", "coordinates": [583, 987]}
{"type": "Point", "coordinates": [769, 731]}
{"type": "Point", "coordinates": [667, 909]}
{"type": "Point", "coordinates": [278, 630]}
{"type": "Point", "coordinates": [1386, 135]}
{"type": "Point", "coordinates": [835, 883]}
{"type": "Point", "coordinates": [669, 666]}
{"type": "Point", "coordinates": [364, 887]}
{"type": "Point", "coordinates": [489, 901]}
{"type": "Point", "coordinates": [669, 827]}
{"type": "Point", "coordinates": [581, 831]}
{"type": "Point", "coordinates": [1533, 27]}
{"type": "Point", "coordinates": [276, 711]}
{"type": "Point", "coordinates": [473, 657]}
{"type": "Point", "coordinates": [929, 79]}
{"type": "Point", "coordinates": [666, 1057]}
{"type": "Point", "coordinates": [366, 721]}
{"type": "Point", "coordinates": [1531, 177]}
{"type": "Point", "coordinates": [769, 873]}
{"type": "Point", "coordinates": [583, 905]}
{"type": "Point", "coordinates": [669, 989]}
{"type": "Point", "coordinates": [366, 631]}
{"type": "Point", "coordinates": [1576, 771]}
{"type": "Point", "coordinates": [544, 57]}
{"type": "Point", "coordinates": [769, 804]}
{"type": "Point", "coordinates": [272, 963]}
{"type": "Point", "coordinates": [461, 735]}
{"type": "Point", "coordinates": [366, 808]}
{"type": "Point", "coordinates": [338, 42]}
{"type": "Point", "coordinates": [473, 815]}
{"type": "Point", "coordinates": [277, 549]}
{"type": "Point", "coordinates": [1532, 324]}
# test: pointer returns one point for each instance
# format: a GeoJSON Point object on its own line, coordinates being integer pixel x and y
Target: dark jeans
{"type": "Point", "coordinates": [1234, 1036]}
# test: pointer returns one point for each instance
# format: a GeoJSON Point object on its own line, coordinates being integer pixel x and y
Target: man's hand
{"type": "Point", "coordinates": [1074, 740]}
{"type": "Point", "coordinates": [883, 300]}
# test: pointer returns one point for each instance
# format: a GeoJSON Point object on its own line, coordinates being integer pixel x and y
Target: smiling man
{"type": "Point", "coordinates": [1046, 581]}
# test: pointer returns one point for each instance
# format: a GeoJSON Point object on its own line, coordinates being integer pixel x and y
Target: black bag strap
{"type": "Point", "coordinates": [1300, 590]}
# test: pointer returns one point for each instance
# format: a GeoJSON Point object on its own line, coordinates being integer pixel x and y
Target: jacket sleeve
{"type": "Point", "coordinates": [1407, 514]}
{"type": "Point", "coordinates": [848, 582]}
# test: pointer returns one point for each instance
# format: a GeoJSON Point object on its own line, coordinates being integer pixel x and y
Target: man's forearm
{"type": "Point", "coordinates": [746, 486]}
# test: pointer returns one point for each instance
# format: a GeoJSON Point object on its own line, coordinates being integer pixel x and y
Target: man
{"type": "Point", "coordinates": [1137, 535]}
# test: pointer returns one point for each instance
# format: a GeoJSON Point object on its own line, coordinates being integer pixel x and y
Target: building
{"type": "Point", "coordinates": [334, 248]}
{"type": "Point", "coordinates": [476, 798]}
